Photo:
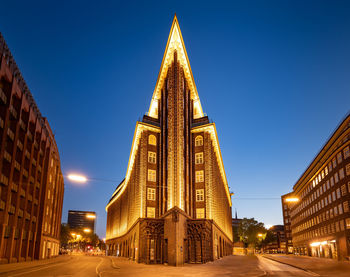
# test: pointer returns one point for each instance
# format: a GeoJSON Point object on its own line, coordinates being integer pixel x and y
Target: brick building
{"type": "Point", "coordinates": [31, 182]}
{"type": "Point", "coordinates": [82, 220]}
{"type": "Point", "coordinates": [319, 220]}
{"type": "Point", "coordinates": [174, 205]}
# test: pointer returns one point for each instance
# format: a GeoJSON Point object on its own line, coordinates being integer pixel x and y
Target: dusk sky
{"type": "Point", "coordinates": [273, 75]}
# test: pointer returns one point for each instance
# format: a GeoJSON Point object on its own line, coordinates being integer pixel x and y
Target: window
{"type": "Point", "coordinates": [347, 223]}
{"type": "Point", "coordinates": [330, 166]}
{"type": "Point", "coordinates": [199, 176]}
{"type": "Point", "coordinates": [326, 170]}
{"type": "Point", "coordinates": [152, 175]}
{"type": "Point", "coordinates": [151, 194]}
{"type": "Point", "coordinates": [339, 158]}
{"type": "Point", "coordinates": [338, 193]}
{"type": "Point", "coordinates": [332, 181]}
{"type": "Point", "coordinates": [334, 161]}
{"type": "Point", "coordinates": [198, 141]}
{"type": "Point", "coordinates": [199, 194]}
{"type": "Point", "coordinates": [152, 140]}
{"type": "Point", "coordinates": [341, 173]}
{"type": "Point", "coordinates": [336, 178]}
{"type": "Point", "coordinates": [346, 152]}
{"type": "Point", "coordinates": [346, 206]}
{"type": "Point", "coordinates": [343, 190]}
{"type": "Point", "coordinates": [152, 157]}
{"type": "Point", "coordinates": [347, 169]}
{"type": "Point", "coordinates": [340, 208]}
{"type": "Point", "coordinates": [200, 213]}
{"type": "Point", "coordinates": [199, 158]}
{"type": "Point", "coordinates": [151, 212]}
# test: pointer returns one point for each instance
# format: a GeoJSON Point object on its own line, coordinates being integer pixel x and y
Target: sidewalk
{"type": "Point", "coordinates": [32, 264]}
{"type": "Point", "coordinates": [322, 266]}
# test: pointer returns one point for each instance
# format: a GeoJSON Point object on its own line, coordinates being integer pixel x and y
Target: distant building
{"type": "Point", "coordinates": [319, 217]}
{"type": "Point", "coordinates": [174, 205]}
{"type": "Point", "coordinates": [235, 224]}
{"type": "Point", "coordinates": [31, 182]}
{"type": "Point", "coordinates": [287, 223]}
{"type": "Point", "coordinates": [279, 246]}
{"type": "Point", "coordinates": [82, 220]}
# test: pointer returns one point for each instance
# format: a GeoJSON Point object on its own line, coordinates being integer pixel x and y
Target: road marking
{"type": "Point", "coordinates": [98, 274]}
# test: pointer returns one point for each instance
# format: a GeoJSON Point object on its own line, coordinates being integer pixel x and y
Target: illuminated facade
{"type": "Point", "coordinates": [174, 205]}
{"type": "Point", "coordinates": [31, 182]}
{"type": "Point", "coordinates": [318, 220]}
{"type": "Point", "coordinates": [82, 220]}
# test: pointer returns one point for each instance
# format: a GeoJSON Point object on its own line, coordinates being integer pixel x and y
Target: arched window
{"type": "Point", "coordinates": [152, 140]}
{"type": "Point", "coordinates": [199, 141]}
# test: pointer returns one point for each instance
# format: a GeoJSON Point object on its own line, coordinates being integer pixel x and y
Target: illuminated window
{"type": "Point", "coordinates": [340, 208]}
{"type": "Point", "coordinates": [152, 157]}
{"type": "Point", "coordinates": [347, 223]}
{"type": "Point", "coordinates": [334, 161]}
{"type": "Point", "coordinates": [151, 212]}
{"type": "Point", "coordinates": [151, 194]}
{"type": "Point", "coordinates": [152, 140]}
{"type": "Point", "coordinates": [341, 173]}
{"type": "Point", "coordinates": [346, 152]}
{"type": "Point", "coordinates": [332, 181]}
{"type": "Point", "coordinates": [347, 169]}
{"type": "Point", "coordinates": [199, 176]}
{"type": "Point", "coordinates": [199, 194]}
{"type": "Point", "coordinates": [199, 158]}
{"type": "Point", "coordinates": [199, 141]}
{"type": "Point", "coordinates": [336, 177]}
{"type": "Point", "coordinates": [152, 176]}
{"type": "Point", "coordinates": [200, 213]}
{"type": "Point", "coordinates": [338, 193]}
{"type": "Point", "coordinates": [322, 174]}
{"type": "Point", "coordinates": [346, 206]}
{"type": "Point", "coordinates": [343, 190]}
{"type": "Point", "coordinates": [326, 170]}
{"type": "Point", "coordinates": [339, 157]}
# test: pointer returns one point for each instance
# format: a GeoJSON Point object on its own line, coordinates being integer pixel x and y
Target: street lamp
{"type": "Point", "coordinates": [292, 199]}
{"type": "Point", "coordinates": [260, 235]}
{"type": "Point", "coordinates": [77, 178]}
{"type": "Point", "coordinates": [90, 216]}
{"type": "Point", "coordinates": [87, 230]}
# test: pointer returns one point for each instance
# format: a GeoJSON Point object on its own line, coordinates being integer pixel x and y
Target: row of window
{"type": "Point", "coordinates": [151, 212]}
{"type": "Point", "coordinates": [322, 189]}
{"type": "Point", "coordinates": [152, 157]}
{"type": "Point", "coordinates": [151, 194]}
{"type": "Point", "coordinates": [152, 175]}
{"type": "Point", "coordinates": [327, 200]}
{"type": "Point", "coordinates": [324, 230]}
{"type": "Point", "coordinates": [153, 140]}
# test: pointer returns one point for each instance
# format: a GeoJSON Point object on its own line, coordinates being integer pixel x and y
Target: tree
{"type": "Point", "coordinates": [248, 231]}
{"type": "Point", "coordinates": [65, 235]}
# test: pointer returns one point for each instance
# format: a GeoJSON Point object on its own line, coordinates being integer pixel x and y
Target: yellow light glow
{"type": "Point", "coordinates": [260, 235]}
{"type": "Point", "coordinates": [292, 199]}
{"type": "Point", "coordinates": [317, 243]}
{"type": "Point", "coordinates": [91, 216]}
{"type": "Point", "coordinates": [73, 234]}
{"type": "Point", "coordinates": [87, 230]}
{"type": "Point", "coordinates": [77, 178]}
{"type": "Point", "coordinates": [78, 236]}
{"type": "Point", "coordinates": [268, 226]}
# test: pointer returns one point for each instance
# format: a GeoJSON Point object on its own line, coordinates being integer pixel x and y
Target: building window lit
{"type": "Point", "coordinates": [346, 206]}
{"type": "Point", "coordinates": [152, 140]}
{"type": "Point", "coordinates": [152, 175]}
{"type": "Point", "coordinates": [152, 157]}
{"type": "Point", "coordinates": [339, 158]}
{"type": "Point", "coordinates": [200, 213]}
{"type": "Point", "coordinates": [347, 169]}
{"type": "Point", "coordinates": [346, 152]}
{"type": "Point", "coordinates": [334, 161]}
{"type": "Point", "coordinates": [341, 173]}
{"type": "Point", "coordinates": [151, 194]}
{"type": "Point", "coordinates": [198, 141]}
{"type": "Point", "coordinates": [326, 170]}
{"type": "Point", "coordinates": [336, 177]}
{"type": "Point", "coordinates": [151, 212]}
{"type": "Point", "coordinates": [199, 176]}
{"type": "Point", "coordinates": [347, 223]}
{"type": "Point", "coordinates": [199, 195]}
{"type": "Point", "coordinates": [199, 158]}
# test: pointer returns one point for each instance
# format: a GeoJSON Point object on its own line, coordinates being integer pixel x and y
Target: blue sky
{"type": "Point", "coordinates": [272, 75]}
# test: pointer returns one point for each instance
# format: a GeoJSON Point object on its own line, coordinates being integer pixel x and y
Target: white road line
{"type": "Point", "coordinates": [98, 274]}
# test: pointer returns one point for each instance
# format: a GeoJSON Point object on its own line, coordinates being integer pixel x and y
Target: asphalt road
{"type": "Point", "coordinates": [87, 266]}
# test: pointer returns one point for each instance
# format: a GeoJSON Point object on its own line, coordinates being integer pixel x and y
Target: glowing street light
{"type": "Point", "coordinates": [87, 230]}
{"type": "Point", "coordinates": [292, 199]}
{"type": "Point", "coordinates": [260, 235]}
{"type": "Point", "coordinates": [77, 178]}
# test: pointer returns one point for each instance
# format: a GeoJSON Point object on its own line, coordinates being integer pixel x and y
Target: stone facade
{"type": "Point", "coordinates": [31, 182]}
{"type": "Point", "coordinates": [174, 205]}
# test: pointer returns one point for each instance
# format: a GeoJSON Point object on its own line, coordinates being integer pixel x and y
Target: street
{"type": "Point", "coordinates": [86, 266]}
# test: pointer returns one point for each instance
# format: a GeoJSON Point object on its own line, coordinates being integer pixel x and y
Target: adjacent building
{"type": "Point", "coordinates": [279, 245]}
{"type": "Point", "coordinates": [319, 216]}
{"type": "Point", "coordinates": [174, 205]}
{"type": "Point", "coordinates": [31, 182]}
{"type": "Point", "coordinates": [82, 220]}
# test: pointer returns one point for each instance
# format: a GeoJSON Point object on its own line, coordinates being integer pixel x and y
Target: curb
{"type": "Point", "coordinates": [295, 266]}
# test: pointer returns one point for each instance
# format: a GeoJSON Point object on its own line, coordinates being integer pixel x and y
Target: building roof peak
{"type": "Point", "coordinates": [175, 43]}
